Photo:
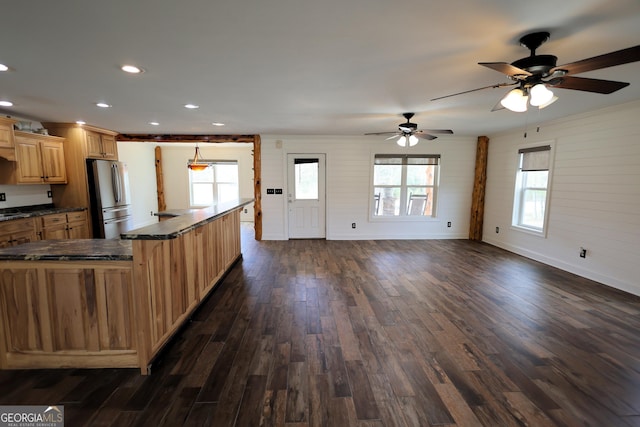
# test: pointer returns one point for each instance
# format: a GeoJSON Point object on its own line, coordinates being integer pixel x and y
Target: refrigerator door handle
{"type": "Point", "coordinates": [114, 221]}
{"type": "Point", "coordinates": [114, 182]}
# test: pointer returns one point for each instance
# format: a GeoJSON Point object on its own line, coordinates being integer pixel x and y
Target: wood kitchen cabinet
{"type": "Point", "coordinates": [81, 143]}
{"type": "Point", "coordinates": [6, 132]}
{"type": "Point", "coordinates": [16, 232]}
{"type": "Point", "coordinates": [39, 159]}
{"type": "Point", "coordinates": [70, 225]}
{"type": "Point", "coordinates": [101, 146]}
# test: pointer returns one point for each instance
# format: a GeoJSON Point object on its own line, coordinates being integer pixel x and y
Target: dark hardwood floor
{"type": "Point", "coordinates": [375, 333]}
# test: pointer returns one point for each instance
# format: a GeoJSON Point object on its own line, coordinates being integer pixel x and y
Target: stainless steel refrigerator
{"type": "Point", "coordinates": [110, 198]}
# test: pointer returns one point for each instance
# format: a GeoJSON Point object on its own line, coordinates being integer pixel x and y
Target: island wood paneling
{"type": "Point", "coordinates": [89, 314]}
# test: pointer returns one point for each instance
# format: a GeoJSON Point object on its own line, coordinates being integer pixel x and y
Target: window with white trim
{"type": "Point", "coordinates": [532, 188]}
{"type": "Point", "coordinates": [217, 183]}
{"type": "Point", "coordinates": [405, 185]}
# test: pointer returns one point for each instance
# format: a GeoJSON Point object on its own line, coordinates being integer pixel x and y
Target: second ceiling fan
{"type": "Point", "coordinates": [408, 132]}
{"type": "Point", "coordinates": [536, 73]}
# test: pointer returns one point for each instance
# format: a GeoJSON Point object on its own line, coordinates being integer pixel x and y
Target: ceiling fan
{"type": "Point", "coordinates": [408, 132]}
{"type": "Point", "coordinates": [536, 73]}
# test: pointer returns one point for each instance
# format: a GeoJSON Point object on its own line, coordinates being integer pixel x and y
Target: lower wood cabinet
{"type": "Point", "coordinates": [70, 225]}
{"type": "Point", "coordinates": [16, 232]}
{"type": "Point", "coordinates": [72, 314]}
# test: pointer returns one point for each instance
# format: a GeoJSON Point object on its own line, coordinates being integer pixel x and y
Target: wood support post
{"type": "Point", "coordinates": [257, 192]}
{"type": "Point", "coordinates": [479, 187]}
{"type": "Point", "coordinates": [162, 205]}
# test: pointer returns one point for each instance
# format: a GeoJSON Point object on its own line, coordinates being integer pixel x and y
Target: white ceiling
{"type": "Point", "coordinates": [339, 67]}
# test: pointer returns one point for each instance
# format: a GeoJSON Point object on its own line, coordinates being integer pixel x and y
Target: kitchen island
{"type": "Point", "coordinates": [91, 303]}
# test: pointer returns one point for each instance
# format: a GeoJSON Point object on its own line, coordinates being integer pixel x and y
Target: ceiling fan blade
{"type": "Point", "coordinates": [474, 90]}
{"type": "Point", "coordinates": [382, 133]}
{"type": "Point", "coordinates": [425, 136]}
{"type": "Point", "coordinates": [619, 57]}
{"type": "Point", "coordinates": [590, 85]}
{"type": "Point", "coordinates": [392, 136]}
{"type": "Point", "coordinates": [504, 68]}
{"type": "Point", "coordinates": [447, 131]}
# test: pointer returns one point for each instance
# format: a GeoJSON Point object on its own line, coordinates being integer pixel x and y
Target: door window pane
{"type": "Point", "coordinates": [306, 179]}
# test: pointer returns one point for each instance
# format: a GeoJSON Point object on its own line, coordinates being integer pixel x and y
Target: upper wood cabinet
{"type": "Point", "coordinates": [6, 132]}
{"type": "Point", "coordinates": [39, 159]}
{"type": "Point", "coordinates": [101, 145]}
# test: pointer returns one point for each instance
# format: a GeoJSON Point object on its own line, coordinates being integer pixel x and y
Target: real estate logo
{"type": "Point", "coordinates": [31, 416]}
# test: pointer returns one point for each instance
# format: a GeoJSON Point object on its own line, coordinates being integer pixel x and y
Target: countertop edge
{"type": "Point", "coordinates": [177, 226]}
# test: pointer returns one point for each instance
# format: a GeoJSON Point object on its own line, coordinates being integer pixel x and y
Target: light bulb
{"type": "Point", "coordinates": [540, 95]}
{"type": "Point", "coordinates": [413, 140]}
{"type": "Point", "coordinates": [402, 141]}
{"type": "Point", "coordinates": [515, 100]}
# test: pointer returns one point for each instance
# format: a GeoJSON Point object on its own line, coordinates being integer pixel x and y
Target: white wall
{"type": "Point", "coordinates": [594, 199]}
{"type": "Point", "coordinates": [348, 188]}
{"type": "Point", "coordinates": [176, 175]}
{"type": "Point", "coordinates": [141, 162]}
{"type": "Point", "coordinates": [25, 195]}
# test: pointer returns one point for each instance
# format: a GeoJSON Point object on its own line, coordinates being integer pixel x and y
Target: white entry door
{"type": "Point", "coordinates": [306, 195]}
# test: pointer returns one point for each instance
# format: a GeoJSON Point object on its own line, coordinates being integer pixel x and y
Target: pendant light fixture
{"type": "Point", "coordinates": [194, 165]}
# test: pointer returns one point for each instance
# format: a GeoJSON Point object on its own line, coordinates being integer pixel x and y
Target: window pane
{"type": "Point", "coordinates": [387, 201]}
{"type": "Point", "coordinates": [387, 175]}
{"type": "Point", "coordinates": [202, 176]}
{"type": "Point", "coordinates": [420, 175]}
{"type": "Point", "coordinates": [202, 194]}
{"type": "Point", "coordinates": [419, 201]}
{"type": "Point", "coordinates": [533, 206]}
{"type": "Point", "coordinates": [227, 192]}
{"type": "Point", "coordinates": [226, 173]}
{"type": "Point", "coordinates": [306, 181]}
{"type": "Point", "coordinates": [536, 179]}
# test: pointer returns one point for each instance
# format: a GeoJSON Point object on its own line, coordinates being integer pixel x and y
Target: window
{"type": "Point", "coordinates": [531, 191]}
{"type": "Point", "coordinates": [405, 185]}
{"type": "Point", "coordinates": [306, 179]}
{"type": "Point", "coordinates": [216, 184]}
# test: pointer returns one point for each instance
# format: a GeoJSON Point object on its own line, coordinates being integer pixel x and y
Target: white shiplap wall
{"type": "Point", "coordinates": [348, 189]}
{"type": "Point", "coordinates": [595, 196]}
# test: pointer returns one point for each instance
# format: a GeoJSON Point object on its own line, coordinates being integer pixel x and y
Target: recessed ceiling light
{"type": "Point", "coordinates": [217, 124]}
{"type": "Point", "coordinates": [81, 122]}
{"type": "Point", "coordinates": [154, 123]}
{"type": "Point", "coordinates": [3, 67]}
{"type": "Point", "coordinates": [6, 104]}
{"type": "Point", "coordinates": [191, 106]}
{"type": "Point", "coordinates": [102, 105]}
{"type": "Point", "coordinates": [132, 69]}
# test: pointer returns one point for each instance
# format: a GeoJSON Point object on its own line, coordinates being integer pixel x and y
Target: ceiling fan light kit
{"type": "Point", "coordinates": [408, 132]}
{"type": "Point", "coordinates": [535, 73]}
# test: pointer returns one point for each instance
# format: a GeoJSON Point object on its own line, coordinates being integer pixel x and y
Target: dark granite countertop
{"type": "Point", "coordinates": [174, 227]}
{"type": "Point", "coordinates": [70, 250]}
{"type": "Point", "coordinates": [174, 212]}
{"type": "Point", "coordinates": [8, 214]}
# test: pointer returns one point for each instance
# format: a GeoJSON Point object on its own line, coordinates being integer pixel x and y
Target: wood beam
{"type": "Point", "coordinates": [139, 137]}
{"type": "Point", "coordinates": [257, 187]}
{"type": "Point", "coordinates": [479, 187]}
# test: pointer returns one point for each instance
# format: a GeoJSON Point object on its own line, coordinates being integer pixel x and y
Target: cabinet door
{"type": "Point", "coordinates": [58, 231]}
{"type": "Point", "coordinates": [94, 145]}
{"type": "Point", "coordinates": [28, 159]}
{"type": "Point", "coordinates": [53, 162]}
{"type": "Point", "coordinates": [109, 147]}
{"type": "Point", "coordinates": [6, 135]}
{"type": "Point", "coordinates": [23, 237]}
{"type": "Point", "coordinates": [77, 230]}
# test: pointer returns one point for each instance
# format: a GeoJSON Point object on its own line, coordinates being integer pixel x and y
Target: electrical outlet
{"type": "Point", "coordinates": [497, 230]}
{"type": "Point", "coordinates": [353, 225]}
{"type": "Point", "coordinates": [449, 224]}
{"type": "Point", "coordinates": [583, 253]}
{"type": "Point", "coordinates": [49, 194]}
{"type": "Point", "coordinates": [3, 197]}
